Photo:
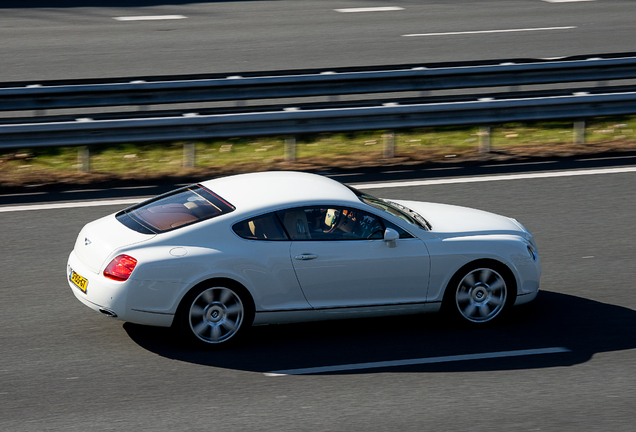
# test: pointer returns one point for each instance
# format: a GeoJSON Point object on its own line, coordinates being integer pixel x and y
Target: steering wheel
{"type": "Point", "coordinates": [335, 222]}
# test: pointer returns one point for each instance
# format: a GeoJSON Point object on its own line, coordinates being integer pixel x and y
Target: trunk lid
{"type": "Point", "coordinates": [98, 239]}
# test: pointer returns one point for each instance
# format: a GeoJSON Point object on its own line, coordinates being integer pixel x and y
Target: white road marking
{"type": "Point", "coordinates": [605, 158]}
{"type": "Point", "coordinates": [370, 9]}
{"type": "Point", "coordinates": [23, 194]}
{"type": "Point", "coordinates": [134, 187]}
{"type": "Point", "coordinates": [565, 1]}
{"type": "Point", "coordinates": [518, 164]}
{"type": "Point", "coordinates": [420, 361]}
{"type": "Point", "coordinates": [150, 18]}
{"type": "Point", "coordinates": [478, 179]}
{"type": "Point", "coordinates": [82, 191]}
{"type": "Point", "coordinates": [442, 169]}
{"type": "Point", "coordinates": [344, 174]}
{"type": "Point", "coordinates": [490, 31]}
{"type": "Point", "coordinates": [53, 206]}
{"type": "Point", "coordinates": [398, 171]}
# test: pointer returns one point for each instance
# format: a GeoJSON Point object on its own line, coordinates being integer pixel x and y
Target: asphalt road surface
{"type": "Point", "coordinates": [64, 367]}
{"type": "Point", "coordinates": [66, 39]}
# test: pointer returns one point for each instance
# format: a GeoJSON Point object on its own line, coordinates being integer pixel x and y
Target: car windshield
{"type": "Point", "coordinates": [174, 210]}
{"type": "Point", "coordinates": [403, 212]}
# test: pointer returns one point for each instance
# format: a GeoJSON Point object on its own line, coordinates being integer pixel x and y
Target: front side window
{"type": "Point", "coordinates": [331, 223]}
{"type": "Point", "coordinates": [265, 227]}
{"type": "Point", "coordinates": [174, 210]}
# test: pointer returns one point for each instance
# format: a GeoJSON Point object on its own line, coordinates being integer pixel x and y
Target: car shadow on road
{"type": "Point", "coordinates": [583, 326]}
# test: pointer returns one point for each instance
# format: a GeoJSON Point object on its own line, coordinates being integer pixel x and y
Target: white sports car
{"type": "Point", "coordinates": [216, 257]}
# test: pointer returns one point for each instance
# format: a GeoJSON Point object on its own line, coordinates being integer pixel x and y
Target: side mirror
{"type": "Point", "coordinates": [391, 235]}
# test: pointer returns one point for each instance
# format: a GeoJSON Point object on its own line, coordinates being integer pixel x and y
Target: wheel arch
{"type": "Point", "coordinates": [505, 270]}
{"type": "Point", "coordinates": [250, 307]}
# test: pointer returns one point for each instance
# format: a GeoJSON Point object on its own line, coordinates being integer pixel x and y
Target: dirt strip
{"type": "Point", "coordinates": [12, 180]}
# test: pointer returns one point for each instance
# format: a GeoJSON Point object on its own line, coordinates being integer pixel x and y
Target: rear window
{"type": "Point", "coordinates": [174, 210]}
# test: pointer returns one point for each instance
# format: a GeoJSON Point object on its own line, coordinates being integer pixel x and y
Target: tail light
{"type": "Point", "coordinates": [120, 268]}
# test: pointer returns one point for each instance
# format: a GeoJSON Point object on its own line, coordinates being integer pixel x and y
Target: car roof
{"type": "Point", "coordinates": [275, 189]}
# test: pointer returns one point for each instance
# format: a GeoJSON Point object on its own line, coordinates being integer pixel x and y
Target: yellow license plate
{"type": "Point", "coordinates": [79, 281]}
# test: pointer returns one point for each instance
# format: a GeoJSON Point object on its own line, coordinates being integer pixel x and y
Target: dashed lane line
{"type": "Point", "coordinates": [443, 168]}
{"type": "Point", "coordinates": [370, 9]}
{"type": "Point", "coordinates": [23, 194]}
{"type": "Point", "coordinates": [566, 1]}
{"type": "Point", "coordinates": [135, 187]}
{"type": "Point", "coordinates": [605, 158]}
{"type": "Point", "coordinates": [490, 31]}
{"type": "Point", "coordinates": [518, 164]}
{"type": "Point", "coordinates": [150, 18]}
{"type": "Point", "coordinates": [81, 191]}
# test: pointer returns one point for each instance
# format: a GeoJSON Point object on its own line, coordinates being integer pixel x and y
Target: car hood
{"type": "Point", "coordinates": [446, 218]}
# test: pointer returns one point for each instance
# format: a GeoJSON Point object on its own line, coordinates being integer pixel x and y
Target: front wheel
{"type": "Point", "coordinates": [214, 315]}
{"type": "Point", "coordinates": [479, 295]}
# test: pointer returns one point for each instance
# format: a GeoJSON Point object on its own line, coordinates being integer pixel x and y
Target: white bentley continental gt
{"type": "Point", "coordinates": [214, 258]}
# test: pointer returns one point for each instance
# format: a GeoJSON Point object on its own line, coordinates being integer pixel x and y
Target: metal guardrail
{"type": "Point", "coordinates": [303, 83]}
{"type": "Point", "coordinates": [312, 121]}
{"type": "Point", "coordinates": [330, 117]}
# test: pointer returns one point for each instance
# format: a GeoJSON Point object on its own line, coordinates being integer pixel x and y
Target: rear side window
{"type": "Point", "coordinates": [261, 228]}
{"type": "Point", "coordinates": [174, 210]}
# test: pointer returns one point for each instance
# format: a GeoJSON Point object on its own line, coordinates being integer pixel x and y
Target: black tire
{"type": "Point", "coordinates": [480, 293]}
{"type": "Point", "coordinates": [215, 314]}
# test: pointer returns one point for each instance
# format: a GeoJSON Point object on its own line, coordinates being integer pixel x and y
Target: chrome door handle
{"type": "Point", "coordinates": [305, 257]}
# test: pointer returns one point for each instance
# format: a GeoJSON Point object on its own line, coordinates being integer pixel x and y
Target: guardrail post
{"type": "Point", "coordinates": [389, 144]}
{"type": "Point", "coordinates": [188, 155]}
{"type": "Point", "coordinates": [484, 139]}
{"type": "Point", "coordinates": [290, 148]}
{"type": "Point", "coordinates": [83, 159]}
{"type": "Point", "coordinates": [579, 132]}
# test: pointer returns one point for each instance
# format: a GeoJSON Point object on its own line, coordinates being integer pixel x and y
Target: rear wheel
{"type": "Point", "coordinates": [480, 294]}
{"type": "Point", "coordinates": [214, 315]}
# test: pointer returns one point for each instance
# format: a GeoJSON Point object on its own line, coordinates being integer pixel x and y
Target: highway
{"type": "Point", "coordinates": [65, 367]}
{"type": "Point", "coordinates": [103, 39]}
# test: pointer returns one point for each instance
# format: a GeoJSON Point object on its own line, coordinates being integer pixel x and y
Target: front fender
{"type": "Point", "coordinates": [450, 254]}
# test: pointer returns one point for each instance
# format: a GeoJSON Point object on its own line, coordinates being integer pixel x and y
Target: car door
{"type": "Point", "coordinates": [341, 259]}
